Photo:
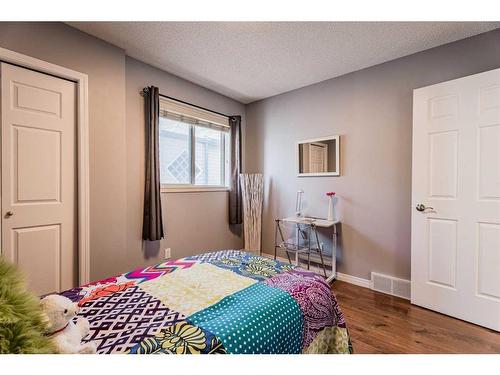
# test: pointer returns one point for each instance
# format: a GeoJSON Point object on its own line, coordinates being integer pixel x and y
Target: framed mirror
{"type": "Point", "coordinates": [318, 157]}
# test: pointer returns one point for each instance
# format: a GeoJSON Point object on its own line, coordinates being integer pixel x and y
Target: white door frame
{"type": "Point", "coordinates": [82, 132]}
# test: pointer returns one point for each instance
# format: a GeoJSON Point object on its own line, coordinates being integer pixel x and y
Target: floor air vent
{"type": "Point", "coordinates": [391, 285]}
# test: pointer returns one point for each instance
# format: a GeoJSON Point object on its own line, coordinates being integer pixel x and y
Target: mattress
{"type": "Point", "coordinates": [227, 301]}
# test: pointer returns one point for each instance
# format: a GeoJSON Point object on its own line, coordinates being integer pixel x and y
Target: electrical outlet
{"type": "Point", "coordinates": [168, 253]}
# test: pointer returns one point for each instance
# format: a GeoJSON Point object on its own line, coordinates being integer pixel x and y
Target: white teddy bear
{"type": "Point", "coordinates": [66, 335]}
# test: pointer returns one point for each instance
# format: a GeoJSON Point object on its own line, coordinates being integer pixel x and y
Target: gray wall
{"type": "Point", "coordinates": [193, 221]}
{"type": "Point", "coordinates": [372, 110]}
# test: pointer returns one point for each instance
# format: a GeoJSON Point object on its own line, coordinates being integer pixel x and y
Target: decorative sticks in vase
{"type": "Point", "coordinates": [252, 190]}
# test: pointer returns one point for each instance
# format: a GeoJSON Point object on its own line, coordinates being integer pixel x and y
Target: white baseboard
{"type": "Point", "coordinates": [365, 283]}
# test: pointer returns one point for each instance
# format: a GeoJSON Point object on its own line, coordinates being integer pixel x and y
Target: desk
{"type": "Point", "coordinates": [312, 223]}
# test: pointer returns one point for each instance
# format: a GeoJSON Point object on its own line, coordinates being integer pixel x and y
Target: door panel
{"type": "Point", "coordinates": [443, 107]}
{"type": "Point", "coordinates": [489, 162]}
{"type": "Point", "coordinates": [488, 283]}
{"type": "Point", "coordinates": [443, 164]}
{"type": "Point", "coordinates": [36, 161]}
{"type": "Point", "coordinates": [455, 265]}
{"type": "Point", "coordinates": [443, 252]}
{"type": "Point", "coordinates": [39, 177]}
{"type": "Point", "coordinates": [489, 104]}
{"type": "Point", "coordinates": [37, 251]}
{"type": "Point", "coordinates": [36, 99]}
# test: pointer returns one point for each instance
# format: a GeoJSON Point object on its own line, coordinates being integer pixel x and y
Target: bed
{"type": "Point", "coordinates": [220, 302]}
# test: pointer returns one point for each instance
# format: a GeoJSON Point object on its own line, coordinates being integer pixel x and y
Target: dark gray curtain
{"type": "Point", "coordinates": [152, 224]}
{"type": "Point", "coordinates": [235, 206]}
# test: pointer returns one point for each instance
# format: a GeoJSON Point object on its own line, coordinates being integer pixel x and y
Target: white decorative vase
{"type": "Point", "coordinates": [330, 208]}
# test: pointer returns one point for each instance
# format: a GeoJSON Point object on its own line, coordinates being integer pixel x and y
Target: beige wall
{"type": "Point", "coordinates": [117, 149]}
{"type": "Point", "coordinates": [372, 110]}
{"type": "Point", "coordinates": [193, 222]}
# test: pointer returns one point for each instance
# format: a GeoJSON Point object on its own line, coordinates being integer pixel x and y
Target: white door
{"type": "Point", "coordinates": [455, 258]}
{"type": "Point", "coordinates": [39, 177]}
{"type": "Point", "coordinates": [318, 156]}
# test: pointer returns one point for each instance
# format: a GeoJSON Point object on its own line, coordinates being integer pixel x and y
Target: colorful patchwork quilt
{"type": "Point", "coordinates": [221, 302]}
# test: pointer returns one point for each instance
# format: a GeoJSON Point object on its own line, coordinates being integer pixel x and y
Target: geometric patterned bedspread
{"type": "Point", "coordinates": [220, 302]}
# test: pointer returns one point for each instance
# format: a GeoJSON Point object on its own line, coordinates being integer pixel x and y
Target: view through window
{"type": "Point", "coordinates": [192, 152]}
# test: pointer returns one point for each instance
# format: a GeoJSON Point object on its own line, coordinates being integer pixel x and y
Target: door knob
{"type": "Point", "coordinates": [9, 213]}
{"type": "Point", "coordinates": [422, 207]}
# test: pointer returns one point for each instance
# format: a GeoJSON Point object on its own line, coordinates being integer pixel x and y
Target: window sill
{"type": "Point", "coordinates": [193, 189]}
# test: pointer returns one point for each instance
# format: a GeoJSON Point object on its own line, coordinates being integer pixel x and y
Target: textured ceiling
{"type": "Point", "coordinates": [248, 61]}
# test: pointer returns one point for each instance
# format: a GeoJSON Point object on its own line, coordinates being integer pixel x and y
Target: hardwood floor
{"type": "Point", "coordinates": [379, 323]}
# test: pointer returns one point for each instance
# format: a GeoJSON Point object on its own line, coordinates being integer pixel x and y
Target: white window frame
{"type": "Point", "coordinates": [200, 114]}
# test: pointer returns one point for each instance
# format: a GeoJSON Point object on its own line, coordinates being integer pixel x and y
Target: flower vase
{"type": "Point", "coordinates": [330, 208]}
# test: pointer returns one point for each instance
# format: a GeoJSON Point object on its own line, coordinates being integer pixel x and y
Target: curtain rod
{"type": "Point", "coordinates": [191, 104]}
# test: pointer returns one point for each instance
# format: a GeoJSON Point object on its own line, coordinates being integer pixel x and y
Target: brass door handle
{"type": "Point", "coordinates": [422, 207]}
{"type": "Point", "coordinates": [9, 214]}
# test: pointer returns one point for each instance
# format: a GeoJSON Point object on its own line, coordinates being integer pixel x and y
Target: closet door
{"type": "Point", "coordinates": [456, 198]}
{"type": "Point", "coordinates": [39, 177]}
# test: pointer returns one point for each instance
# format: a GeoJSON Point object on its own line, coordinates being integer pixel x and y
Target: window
{"type": "Point", "coordinates": [194, 147]}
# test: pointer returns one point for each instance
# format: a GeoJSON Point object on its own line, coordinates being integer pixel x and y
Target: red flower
{"type": "Point", "coordinates": [330, 194]}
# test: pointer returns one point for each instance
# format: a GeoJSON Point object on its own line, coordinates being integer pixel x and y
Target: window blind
{"type": "Point", "coordinates": [192, 115]}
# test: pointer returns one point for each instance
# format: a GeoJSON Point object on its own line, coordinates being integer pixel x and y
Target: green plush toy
{"type": "Point", "coordinates": [22, 323]}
